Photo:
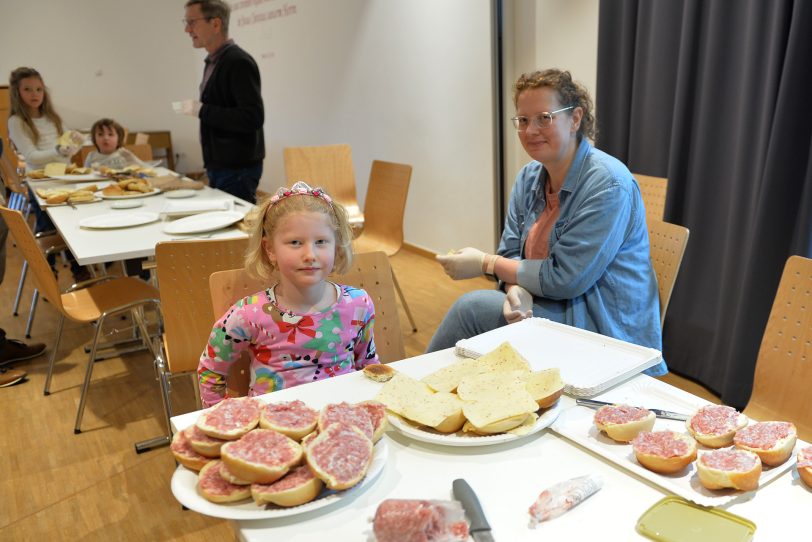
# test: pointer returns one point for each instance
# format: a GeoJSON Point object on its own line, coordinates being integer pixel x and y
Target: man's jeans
{"type": "Point", "coordinates": [237, 182]}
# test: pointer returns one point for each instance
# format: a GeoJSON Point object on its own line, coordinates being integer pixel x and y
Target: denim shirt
{"type": "Point", "coordinates": [598, 274]}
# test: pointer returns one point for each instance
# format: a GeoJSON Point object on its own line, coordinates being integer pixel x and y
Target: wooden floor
{"type": "Point", "coordinates": [55, 485]}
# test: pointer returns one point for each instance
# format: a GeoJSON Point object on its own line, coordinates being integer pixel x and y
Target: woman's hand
{"type": "Point", "coordinates": [462, 264]}
{"type": "Point", "coordinates": [518, 304]}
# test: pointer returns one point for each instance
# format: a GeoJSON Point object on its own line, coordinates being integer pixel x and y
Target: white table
{"type": "Point", "coordinates": [91, 246]}
{"type": "Point", "coordinates": [507, 478]}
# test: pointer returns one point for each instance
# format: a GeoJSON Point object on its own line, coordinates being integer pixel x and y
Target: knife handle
{"type": "Point", "coordinates": [470, 502]}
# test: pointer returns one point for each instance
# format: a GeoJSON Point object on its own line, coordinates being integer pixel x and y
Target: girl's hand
{"type": "Point", "coordinates": [462, 264]}
{"type": "Point", "coordinates": [518, 304]}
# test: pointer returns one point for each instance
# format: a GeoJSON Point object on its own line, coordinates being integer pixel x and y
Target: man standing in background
{"type": "Point", "coordinates": [230, 106]}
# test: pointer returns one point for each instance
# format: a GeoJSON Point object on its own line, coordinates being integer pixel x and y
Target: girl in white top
{"type": "Point", "coordinates": [108, 137]}
{"type": "Point", "coordinates": [34, 126]}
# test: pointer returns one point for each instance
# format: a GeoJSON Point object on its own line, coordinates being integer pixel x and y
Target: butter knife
{"type": "Point", "coordinates": [660, 413]}
{"type": "Point", "coordinates": [479, 528]}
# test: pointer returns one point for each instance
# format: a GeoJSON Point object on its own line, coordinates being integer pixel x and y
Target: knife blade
{"type": "Point", "coordinates": [660, 413]}
{"type": "Point", "coordinates": [479, 528]}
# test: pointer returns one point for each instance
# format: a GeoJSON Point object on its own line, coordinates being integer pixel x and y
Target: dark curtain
{"type": "Point", "coordinates": [716, 95]}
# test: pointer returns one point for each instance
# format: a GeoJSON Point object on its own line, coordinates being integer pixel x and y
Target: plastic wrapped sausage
{"type": "Point", "coordinates": [555, 500]}
{"type": "Point", "coordinates": [415, 520]}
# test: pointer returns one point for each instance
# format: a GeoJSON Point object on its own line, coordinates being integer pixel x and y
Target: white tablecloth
{"type": "Point", "coordinates": [507, 478]}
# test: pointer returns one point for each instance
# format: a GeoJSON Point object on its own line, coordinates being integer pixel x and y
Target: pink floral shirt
{"type": "Point", "coordinates": [288, 349]}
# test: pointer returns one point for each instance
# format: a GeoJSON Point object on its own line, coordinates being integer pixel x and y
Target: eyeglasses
{"type": "Point", "coordinates": [542, 120]}
{"type": "Point", "coordinates": [191, 22]}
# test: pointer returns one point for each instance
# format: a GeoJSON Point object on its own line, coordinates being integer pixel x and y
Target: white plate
{"type": "Point", "coordinates": [577, 424]}
{"type": "Point", "coordinates": [182, 193]}
{"type": "Point", "coordinates": [184, 487]}
{"type": "Point", "coordinates": [118, 220]}
{"type": "Point", "coordinates": [466, 439]}
{"type": "Point", "coordinates": [126, 204]}
{"type": "Point", "coordinates": [203, 222]}
{"type": "Point", "coordinates": [131, 196]}
{"type": "Point", "coordinates": [79, 178]}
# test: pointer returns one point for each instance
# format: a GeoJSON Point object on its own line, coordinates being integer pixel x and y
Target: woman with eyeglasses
{"type": "Point", "coordinates": [575, 245]}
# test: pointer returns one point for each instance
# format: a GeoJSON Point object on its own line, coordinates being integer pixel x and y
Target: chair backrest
{"type": "Point", "coordinates": [783, 369]}
{"type": "Point", "coordinates": [370, 271]}
{"type": "Point", "coordinates": [653, 190]}
{"type": "Point", "coordinates": [667, 244]}
{"type": "Point", "coordinates": [183, 269]}
{"type": "Point", "coordinates": [141, 150]}
{"type": "Point", "coordinates": [31, 251]}
{"type": "Point", "coordinates": [141, 138]}
{"type": "Point", "coordinates": [325, 166]}
{"type": "Point", "coordinates": [81, 155]}
{"type": "Point", "coordinates": [384, 207]}
{"type": "Point", "coordinates": [8, 170]}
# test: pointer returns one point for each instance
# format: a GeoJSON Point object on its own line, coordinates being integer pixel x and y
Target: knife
{"type": "Point", "coordinates": [660, 413]}
{"type": "Point", "coordinates": [479, 529]}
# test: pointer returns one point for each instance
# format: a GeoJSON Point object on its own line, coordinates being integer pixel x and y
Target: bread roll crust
{"type": "Point", "coordinates": [237, 493]}
{"type": "Point", "coordinates": [379, 372]}
{"type": "Point", "coordinates": [664, 464]}
{"type": "Point", "coordinates": [713, 478]}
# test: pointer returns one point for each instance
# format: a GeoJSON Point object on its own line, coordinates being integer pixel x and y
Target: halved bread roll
{"type": "Point", "coordinates": [262, 456]}
{"type": "Point", "coordinates": [623, 422]}
{"type": "Point", "coordinates": [181, 448]}
{"type": "Point", "coordinates": [230, 418]}
{"type": "Point", "coordinates": [291, 418]}
{"type": "Point", "coordinates": [771, 441]}
{"type": "Point", "coordinates": [729, 468]}
{"type": "Point", "coordinates": [379, 372]}
{"type": "Point", "coordinates": [805, 465]}
{"type": "Point", "coordinates": [715, 425]}
{"type": "Point", "coordinates": [297, 487]}
{"type": "Point", "coordinates": [665, 452]}
{"type": "Point", "coordinates": [214, 488]}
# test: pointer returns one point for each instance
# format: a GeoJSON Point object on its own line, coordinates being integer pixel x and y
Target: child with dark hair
{"type": "Point", "coordinates": [108, 138]}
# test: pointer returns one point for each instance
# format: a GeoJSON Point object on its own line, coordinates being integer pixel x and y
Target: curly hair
{"type": "Point", "coordinates": [569, 92]}
{"type": "Point", "coordinates": [107, 123]}
{"type": "Point", "coordinates": [19, 109]}
{"type": "Point", "coordinates": [256, 259]}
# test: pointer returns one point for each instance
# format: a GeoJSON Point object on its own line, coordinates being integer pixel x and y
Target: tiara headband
{"type": "Point", "coordinates": [299, 188]}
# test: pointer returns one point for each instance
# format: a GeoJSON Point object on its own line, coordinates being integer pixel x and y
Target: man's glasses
{"type": "Point", "coordinates": [191, 22]}
{"type": "Point", "coordinates": [542, 120]}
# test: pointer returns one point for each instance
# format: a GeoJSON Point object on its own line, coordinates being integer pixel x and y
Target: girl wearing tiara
{"type": "Point", "coordinates": [302, 327]}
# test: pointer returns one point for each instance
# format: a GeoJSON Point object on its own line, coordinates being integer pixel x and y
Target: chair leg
{"type": "Point", "coordinates": [403, 300]}
{"type": "Point", "coordinates": [88, 374]}
{"type": "Point", "coordinates": [23, 273]}
{"type": "Point", "coordinates": [164, 440]}
{"type": "Point", "coordinates": [47, 390]}
{"type": "Point", "coordinates": [31, 312]}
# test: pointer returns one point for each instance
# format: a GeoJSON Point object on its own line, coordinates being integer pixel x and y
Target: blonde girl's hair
{"type": "Point", "coordinates": [273, 209]}
{"type": "Point", "coordinates": [18, 107]}
{"type": "Point", "coordinates": [570, 93]}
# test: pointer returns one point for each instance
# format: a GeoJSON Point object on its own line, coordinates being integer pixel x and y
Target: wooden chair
{"type": "Point", "coordinates": [370, 271]}
{"type": "Point", "coordinates": [783, 369]}
{"type": "Point", "coordinates": [80, 157]}
{"type": "Point", "coordinates": [141, 150]}
{"type": "Point", "coordinates": [49, 242]}
{"type": "Point", "coordinates": [141, 139]}
{"type": "Point", "coordinates": [384, 208]}
{"type": "Point", "coordinates": [328, 167]}
{"type": "Point", "coordinates": [89, 302]}
{"type": "Point", "coordinates": [183, 269]}
{"type": "Point", "coordinates": [667, 244]}
{"type": "Point", "coordinates": [653, 190]}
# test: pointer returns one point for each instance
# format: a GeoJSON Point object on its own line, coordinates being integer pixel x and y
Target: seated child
{"type": "Point", "coordinates": [302, 327]}
{"type": "Point", "coordinates": [108, 137]}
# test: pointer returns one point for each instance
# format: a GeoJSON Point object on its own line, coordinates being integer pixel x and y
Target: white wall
{"type": "Point", "coordinates": [404, 81]}
{"type": "Point", "coordinates": [108, 58]}
{"type": "Point", "coordinates": [546, 34]}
